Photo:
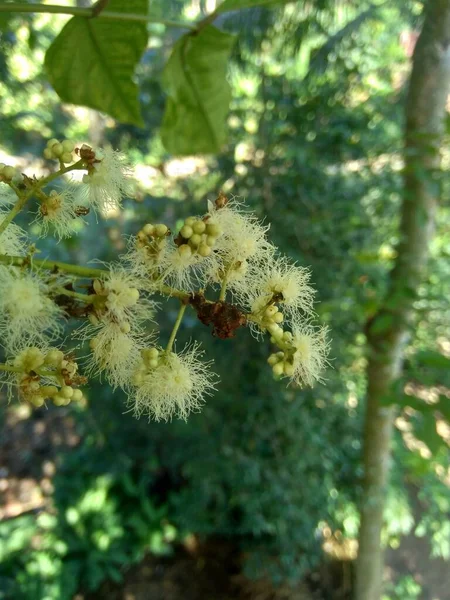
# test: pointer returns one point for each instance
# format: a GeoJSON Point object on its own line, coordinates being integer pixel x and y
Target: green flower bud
{"type": "Point", "coordinates": [54, 357]}
{"type": "Point", "coordinates": [59, 400]}
{"type": "Point", "coordinates": [66, 157]}
{"type": "Point", "coordinates": [190, 221]}
{"type": "Point", "coordinates": [199, 227]}
{"type": "Point", "coordinates": [186, 231]}
{"type": "Point", "coordinates": [8, 172]}
{"type": "Point", "coordinates": [161, 230]}
{"type": "Point", "coordinates": [149, 229]}
{"type": "Point", "coordinates": [37, 400]}
{"type": "Point", "coordinates": [204, 250]}
{"type": "Point", "coordinates": [278, 317]}
{"type": "Point", "coordinates": [278, 369]}
{"type": "Point", "coordinates": [272, 360]}
{"type": "Point", "coordinates": [275, 331]}
{"type": "Point", "coordinates": [66, 392]}
{"type": "Point", "coordinates": [77, 395]}
{"type": "Point", "coordinates": [211, 240]}
{"type": "Point", "coordinates": [49, 390]}
{"type": "Point", "coordinates": [48, 154]}
{"type": "Point", "coordinates": [57, 150]}
{"type": "Point", "coordinates": [213, 229]}
{"type": "Point", "coordinates": [185, 251]}
{"type": "Point", "coordinates": [195, 240]}
{"type": "Point", "coordinates": [52, 142]}
{"type": "Point", "coordinates": [288, 369]}
{"type": "Point", "coordinates": [153, 352]}
{"type": "Point", "coordinates": [68, 146]}
{"type": "Point", "coordinates": [271, 311]}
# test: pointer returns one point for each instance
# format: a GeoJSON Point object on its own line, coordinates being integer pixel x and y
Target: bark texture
{"type": "Point", "coordinates": [388, 331]}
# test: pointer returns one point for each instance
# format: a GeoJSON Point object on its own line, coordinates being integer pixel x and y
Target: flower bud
{"type": "Point", "coordinates": [66, 392]}
{"type": "Point", "coordinates": [77, 395]}
{"type": "Point", "coordinates": [37, 400]}
{"type": "Point", "coordinates": [57, 150]}
{"type": "Point", "coordinates": [149, 229]}
{"type": "Point", "coordinates": [54, 357]}
{"type": "Point", "coordinates": [278, 369]}
{"type": "Point", "coordinates": [66, 157]}
{"type": "Point", "coordinates": [186, 231]}
{"type": "Point", "coordinates": [185, 251]}
{"type": "Point", "coordinates": [161, 230]}
{"type": "Point", "coordinates": [199, 227]}
{"type": "Point", "coordinates": [213, 229]}
{"type": "Point", "coordinates": [68, 146]}
{"type": "Point", "coordinates": [204, 250]}
{"type": "Point", "coordinates": [195, 240]}
{"type": "Point", "coordinates": [8, 172]}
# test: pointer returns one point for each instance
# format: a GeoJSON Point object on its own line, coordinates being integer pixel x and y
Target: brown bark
{"type": "Point", "coordinates": [388, 332]}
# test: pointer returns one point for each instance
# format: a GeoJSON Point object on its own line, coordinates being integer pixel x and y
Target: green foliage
{"type": "Point", "coordinates": [198, 92]}
{"type": "Point", "coordinates": [103, 522]}
{"type": "Point", "coordinates": [239, 4]}
{"type": "Point", "coordinates": [92, 62]}
{"type": "Point", "coordinates": [262, 466]}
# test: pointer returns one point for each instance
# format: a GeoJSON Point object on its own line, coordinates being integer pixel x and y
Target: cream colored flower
{"type": "Point", "coordinates": [108, 181]}
{"type": "Point", "coordinates": [27, 313]}
{"type": "Point", "coordinates": [116, 327]}
{"type": "Point", "coordinates": [57, 213]}
{"type": "Point", "coordinates": [13, 241]}
{"type": "Point", "coordinates": [279, 282]}
{"type": "Point", "coordinates": [302, 355]}
{"type": "Point", "coordinates": [167, 385]}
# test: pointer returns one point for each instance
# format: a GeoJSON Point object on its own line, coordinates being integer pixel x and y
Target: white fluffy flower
{"type": "Point", "coordinates": [183, 269]}
{"type": "Point", "coordinates": [57, 212]}
{"type": "Point", "coordinates": [13, 241]}
{"type": "Point", "coordinates": [278, 281]}
{"type": "Point", "coordinates": [113, 351]}
{"type": "Point", "coordinates": [120, 300]}
{"type": "Point", "coordinates": [108, 181]}
{"type": "Point", "coordinates": [243, 236]}
{"type": "Point", "coordinates": [26, 311]}
{"type": "Point", "coordinates": [170, 384]}
{"type": "Point", "coordinates": [115, 329]}
{"type": "Point", "coordinates": [309, 358]}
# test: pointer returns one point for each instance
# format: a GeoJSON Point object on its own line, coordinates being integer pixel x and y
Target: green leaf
{"type": "Point", "coordinates": [444, 407]}
{"type": "Point", "coordinates": [198, 93]}
{"type": "Point", "coordinates": [430, 358]}
{"type": "Point", "coordinates": [238, 4]}
{"type": "Point", "coordinates": [92, 61]}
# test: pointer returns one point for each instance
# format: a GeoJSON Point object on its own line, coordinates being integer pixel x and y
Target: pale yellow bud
{"type": "Point", "coordinates": [186, 231]}
{"type": "Point", "coordinates": [66, 392]}
{"type": "Point", "coordinates": [199, 227]}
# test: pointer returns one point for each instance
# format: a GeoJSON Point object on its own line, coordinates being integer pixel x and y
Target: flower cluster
{"type": "Point", "coordinates": [225, 252]}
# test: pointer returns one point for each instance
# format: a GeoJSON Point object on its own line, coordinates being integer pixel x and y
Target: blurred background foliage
{"type": "Point", "coordinates": [314, 147]}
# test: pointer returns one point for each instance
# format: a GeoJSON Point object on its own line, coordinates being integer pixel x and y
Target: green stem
{"type": "Point", "coordinates": [10, 369]}
{"type": "Point", "coordinates": [76, 295]}
{"type": "Point", "coordinates": [23, 199]}
{"type": "Point", "coordinates": [52, 265]}
{"type": "Point", "coordinates": [176, 327]}
{"type": "Point", "coordinates": [223, 289]}
{"type": "Point", "coordinates": [20, 7]}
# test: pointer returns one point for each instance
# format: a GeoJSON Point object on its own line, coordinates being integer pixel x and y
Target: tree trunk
{"type": "Point", "coordinates": [388, 331]}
